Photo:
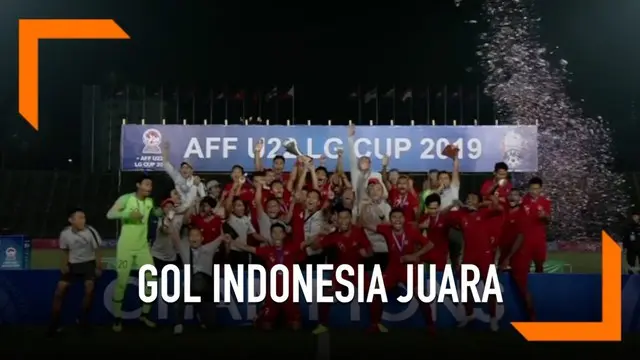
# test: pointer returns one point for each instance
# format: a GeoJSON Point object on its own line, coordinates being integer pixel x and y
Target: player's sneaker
{"type": "Point", "coordinates": [117, 326]}
{"type": "Point", "coordinates": [148, 323]}
{"type": "Point", "coordinates": [493, 324]}
{"type": "Point", "coordinates": [320, 329]}
{"type": "Point", "coordinates": [378, 328]}
{"type": "Point", "coordinates": [178, 329]}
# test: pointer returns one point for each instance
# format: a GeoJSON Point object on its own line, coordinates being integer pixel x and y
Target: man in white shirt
{"type": "Point", "coordinates": [449, 191]}
{"type": "Point", "coordinates": [360, 171]}
{"type": "Point", "coordinates": [188, 186]}
{"type": "Point", "coordinates": [373, 212]}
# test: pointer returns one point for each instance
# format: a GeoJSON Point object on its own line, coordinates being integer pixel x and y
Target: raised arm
{"type": "Point", "coordinates": [291, 182]}
{"type": "Point", "coordinates": [455, 174]}
{"type": "Point", "coordinates": [166, 162]}
{"type": "Point", "coordinates": [385, 172]}
{"type": "Point", "coordinates": [353, 160]}
{"type": "Point", "coordinates": [340, 162]}
{"type": "Point", "coordinates": [257, 155]}
{"type": "Point", "coordinates": [314, 177]}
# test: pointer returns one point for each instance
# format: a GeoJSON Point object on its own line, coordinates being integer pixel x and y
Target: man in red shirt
{"type": "Point", "coordinates": [277, 166]}
{"type": "Point", "coordinates": [406, 246]}
{"type": "Point", "coordinates": [402, 197]}
{"type": "Point", "coordinates": [500, 187]}
{"type": "Point", "coordinates": [281, 195]}
{"type": "Point", "coordinates": [435, 224]}
{"type": "Point", "coordinates": [239, 187]}
{"type": "Point", "coordinates": [479, 245]}
{"type": "Point", "coordinates": [280, 253]}
{"type": "Point", "coordinates": [514, 255]}
{"type": "Point", "coordinates": [537, 209]}
{"type": "Point", "coordinates": [210, 225]}
{"type": "Point", "coordinates": [352, 246]}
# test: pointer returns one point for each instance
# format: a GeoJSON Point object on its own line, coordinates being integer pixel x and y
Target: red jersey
{"type": "Point", "coordinates": [399, 245]}
{"type": "Point", "coordinates": [408, 202]}
{"type": "Point", "coordinates": [285, 201]}
{"type": "Point", "coordinates": [288, 255]}
{"type": "Point", "coordinates": [478, 242]}
{"type": "Point", "coordinates": [348, 244]}
{"type": "Point", "coordinates": [534, 227]}
{"type": "Point", "coordinates": [438, 234]}
{"type": "Point", "coordinates": [512, 227]}
{"type": "Point", "coordinates": [299, 219]}
{"type": "Point", "coordinates": [247, 192]}
{"type": "Point", "coordinates": [502, 191]}
{"type": "Point", "coordinates": [210, 227]}
{"type": "Point", "coordinates": [496, 223]}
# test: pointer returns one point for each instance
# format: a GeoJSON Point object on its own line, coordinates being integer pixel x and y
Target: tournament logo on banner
{"type": "Point", "coordinates": [15, 252]}
{"type": "Point", "coordinates": [216, 148]}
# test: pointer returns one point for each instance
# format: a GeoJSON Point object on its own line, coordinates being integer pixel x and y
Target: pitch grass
{"type": "Point", "coordinates": [581, 263]}
{"type": "Point", "coordinates": [250, 343]}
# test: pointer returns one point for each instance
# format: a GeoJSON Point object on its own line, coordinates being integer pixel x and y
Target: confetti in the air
{"type": "Point", "coordinates": [574, 150]}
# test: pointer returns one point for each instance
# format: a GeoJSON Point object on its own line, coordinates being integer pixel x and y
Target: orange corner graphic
{"type": "Point", "coordinates": [609, 328]}
{"type": "Point", "coordinates": [31, 31]}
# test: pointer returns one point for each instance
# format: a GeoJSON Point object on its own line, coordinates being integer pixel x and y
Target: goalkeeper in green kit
{"type": "Point", "coordinates": [132, 252]}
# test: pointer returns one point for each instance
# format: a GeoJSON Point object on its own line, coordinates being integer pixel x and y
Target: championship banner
{"type": "Point", "coordinates": [15, 252]}
{"type": "Point", "coordinates": [216, 148]}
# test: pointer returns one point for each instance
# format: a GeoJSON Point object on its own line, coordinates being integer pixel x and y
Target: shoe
{"type": "Point", "coordinates": [178, 329]}
{"type": "Point", "coordinates": [148, 323]}
{"type": "Point", "coordinates": [493, 324]}
{"type": "Point", "coordinates": [320, 329]}
{"type": "Point", "coordinates": [117, 326]}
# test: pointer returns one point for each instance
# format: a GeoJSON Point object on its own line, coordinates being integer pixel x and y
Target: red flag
{"type": "Point", "coordinates": [239, 95]}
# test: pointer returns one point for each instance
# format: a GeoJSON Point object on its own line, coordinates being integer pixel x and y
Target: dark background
{"type": "Point", "coordinates": [326, 49]}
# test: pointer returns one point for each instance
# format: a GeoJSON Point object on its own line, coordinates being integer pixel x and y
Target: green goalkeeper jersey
{"type": "Point", "coordinates": [134, 233]}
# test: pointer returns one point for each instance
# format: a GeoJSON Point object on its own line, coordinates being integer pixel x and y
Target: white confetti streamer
{"type": "Point", "coordinates": [574, 149]}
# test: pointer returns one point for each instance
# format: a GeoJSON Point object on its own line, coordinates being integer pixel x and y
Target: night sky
{"type": "Point", "coordinates": [326, 49]}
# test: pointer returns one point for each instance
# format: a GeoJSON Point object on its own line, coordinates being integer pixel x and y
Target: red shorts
{"type": "Point", "coordinates": [539, 252]}
{"type": "Point", "coordinates": [394, 276]}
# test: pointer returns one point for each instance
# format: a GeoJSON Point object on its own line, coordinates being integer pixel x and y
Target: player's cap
{"type": "Point", "coordinates": [373, 181]}
{"type": "Point", "coordinates": [167, 202]}
{"type": "Point", "coordinates": [187, 164]}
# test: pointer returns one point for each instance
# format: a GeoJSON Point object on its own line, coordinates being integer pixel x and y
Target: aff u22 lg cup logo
{"type": "Point", "coordinates": [152, 139]}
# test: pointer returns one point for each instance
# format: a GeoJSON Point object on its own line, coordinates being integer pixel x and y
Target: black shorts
{"type": "Point", "coordinates": [159, 264]}
{"type": "Point", "coordinates": [85, 271]}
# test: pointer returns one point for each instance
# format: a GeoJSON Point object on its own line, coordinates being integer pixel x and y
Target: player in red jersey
{"type": "Point", "coordinates": [352, 246]}
{"type": "Point", "coordinates": [435, 224]}
{"type": "Point", "coordinates": [406, 246]}
{"type": "Point", "coordinates": [537, 209]}
{"type": "Point", "coordinates": [404, 198]}
{"type": "Point", "coordinates": [479, 245]}
{"type": "Point", "coordinates": [277, 167]}
{"type": "Point", "coordinates": [209, 224]}
{"type": "Point", "coordinates": [515, 256]}
{"type": "Point", "coordinates": [510, 238]}
{"type": "Point", "coordinates": [500, 187]}
{"type": "Point", "coordinates": [239, 187]}
{"type": "Point", "coordinates": [280, 253]}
